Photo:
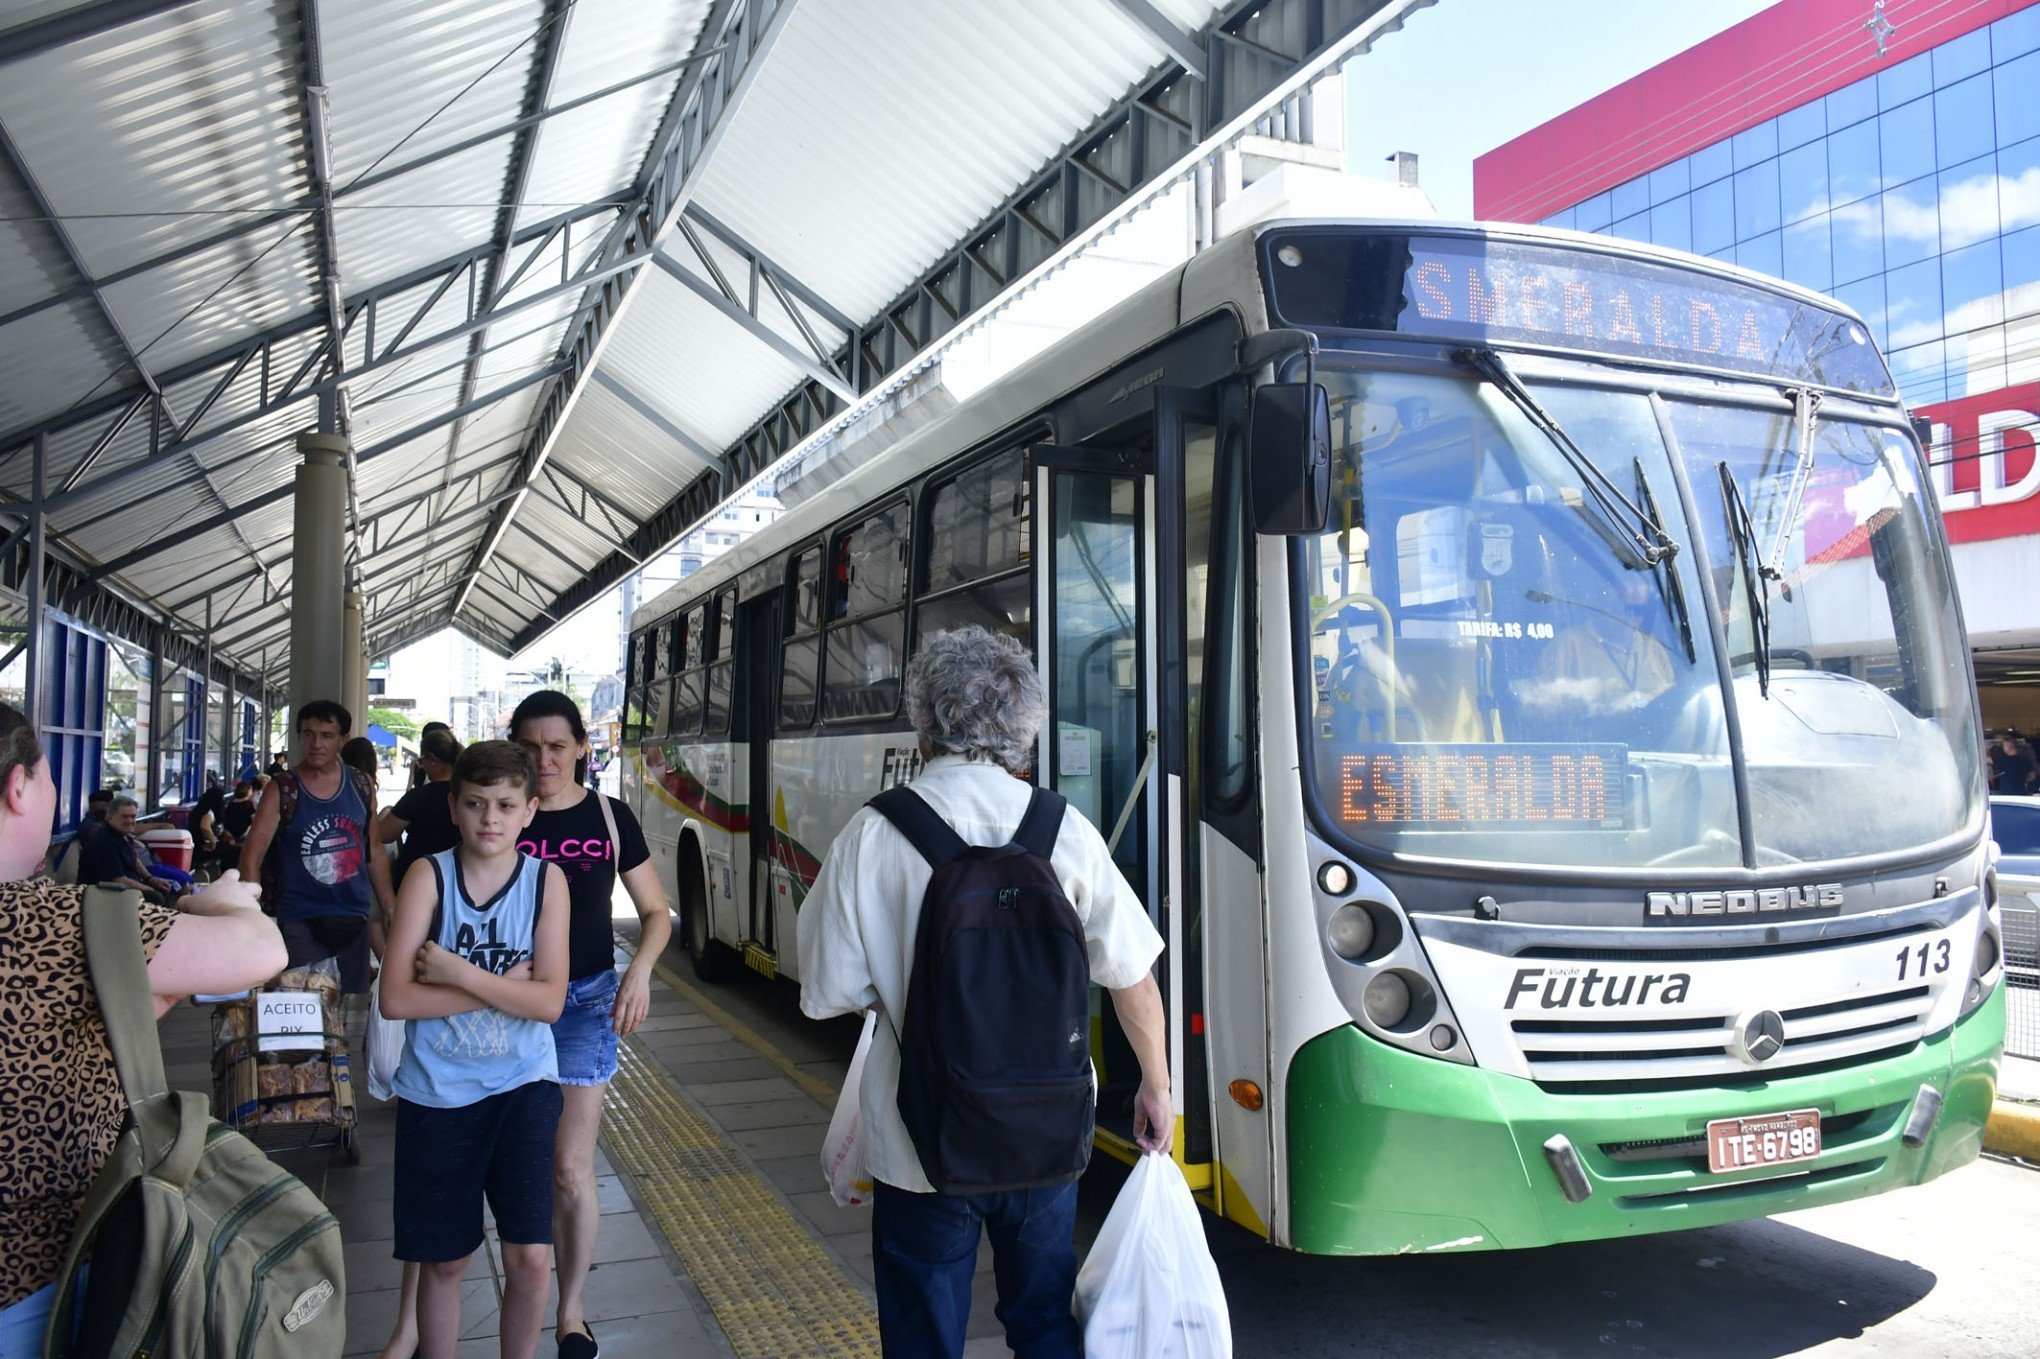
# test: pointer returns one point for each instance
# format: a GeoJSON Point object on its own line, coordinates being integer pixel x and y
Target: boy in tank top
{"type": "Point", "coordinates": [477, 965]}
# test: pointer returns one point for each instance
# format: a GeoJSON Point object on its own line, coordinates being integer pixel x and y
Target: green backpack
{"type": "Point", "coordinates": [199, 1244]}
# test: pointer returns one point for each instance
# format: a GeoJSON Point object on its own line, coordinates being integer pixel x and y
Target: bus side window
{"type": "Point", "coordinates": [800, 657]}
{"type": "Point", "coordinates": [979, 542]}
{"type": "Point", "coordinates": [720, 650]}
{"type": "Point", "coordinates": [861, 680]}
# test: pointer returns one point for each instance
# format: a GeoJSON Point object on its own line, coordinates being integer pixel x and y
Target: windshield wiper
{"type": "Point", "coordinates": [1636, 536]}
{"type": "Point", "coordinates": [1665, 573]}
{"type": "Point", "coordinates": [1742, 536]}
{"type": "Point", "coordinates": [1805, 410]}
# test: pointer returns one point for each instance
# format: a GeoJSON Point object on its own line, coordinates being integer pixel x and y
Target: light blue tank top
{"type": "Point", "coordinates": [464, 1059]}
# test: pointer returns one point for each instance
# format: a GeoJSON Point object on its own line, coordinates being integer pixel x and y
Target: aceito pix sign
{"type": "Point", "coordinates": [1985, 457]}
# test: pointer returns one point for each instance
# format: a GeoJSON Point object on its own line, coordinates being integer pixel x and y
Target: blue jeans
{"type": "Point", "coordinates": [924, 1249]}
{"type": "Point", "coordinates": [23, 1323]}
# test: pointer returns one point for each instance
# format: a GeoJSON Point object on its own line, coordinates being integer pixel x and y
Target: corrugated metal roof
{"type": "Point", "coordinates": [178, 151]}
{"type": "Point", "coordinates": [954, 140]}
{"type": "Point", "coordinates": [410, 77]}
{"type": "Point", "coordinates": [598, 148]}
{"type": "Point", "coordinates": [188, 120]}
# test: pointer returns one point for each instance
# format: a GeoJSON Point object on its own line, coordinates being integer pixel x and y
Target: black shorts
{"type": "Point", "coordinates": [343, 938]}
{"type": "Point", "coordinates": [449, 1160]}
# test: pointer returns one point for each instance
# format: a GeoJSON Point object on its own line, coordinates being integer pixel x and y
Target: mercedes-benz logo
{"type": "Point", "coordinates": [1759, 1036]}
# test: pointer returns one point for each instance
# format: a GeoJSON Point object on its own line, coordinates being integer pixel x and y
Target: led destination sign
{"type": "Point", "coordinates": [1492, 291]}
{"type": "Point", "coordinates": [1478, 787]}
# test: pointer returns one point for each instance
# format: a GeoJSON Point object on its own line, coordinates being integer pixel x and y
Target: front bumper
{"type": "Point", "coordinates": [1390, 1152]}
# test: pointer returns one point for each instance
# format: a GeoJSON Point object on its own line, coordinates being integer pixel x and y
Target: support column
{"type": "Point", "coordinates": [206, 730]}
{"type": "Point", "coordinates": [149, 785]}
{"type": "Point", "coordinates": [33, 689]}
{"type": "Point", "coordinates": [354, 663]}
{"type": "Point", "coordinates": [318, 581]}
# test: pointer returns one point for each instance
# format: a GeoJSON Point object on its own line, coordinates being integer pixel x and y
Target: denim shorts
{"type": "Point", "coordinates": [584, 1036]}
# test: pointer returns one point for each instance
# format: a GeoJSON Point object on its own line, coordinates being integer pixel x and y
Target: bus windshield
{"type": "Point", "coordinates": [1494, 679]}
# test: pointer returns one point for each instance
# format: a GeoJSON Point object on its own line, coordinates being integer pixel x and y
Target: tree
{"type": "Point", "coordinates": [394, 722]}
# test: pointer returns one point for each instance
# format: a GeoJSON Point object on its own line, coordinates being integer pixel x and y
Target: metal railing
{"type": "Point", "coordinates": [2022, 974]}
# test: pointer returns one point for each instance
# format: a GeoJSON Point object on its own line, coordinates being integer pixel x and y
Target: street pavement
{"type": "Point", "coordinates": [1943, 1269]}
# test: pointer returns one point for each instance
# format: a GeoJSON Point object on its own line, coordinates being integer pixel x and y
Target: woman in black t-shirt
{"type": "Point", "coordinates": [595, 840]}
{"type": "Point", "coordinates": [423, 816]}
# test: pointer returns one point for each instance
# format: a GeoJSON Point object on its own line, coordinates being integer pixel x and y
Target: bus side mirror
{"type": "Point", "coordinates": [1289, 446]}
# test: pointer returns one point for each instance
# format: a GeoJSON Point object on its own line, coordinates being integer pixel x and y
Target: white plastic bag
{"type": "Point", "coordinates": [1149, 1289]}
{"type": "Point", "coordinates": [384, 1043]}
{"type": "Point", "coordinates": [843, 1148]}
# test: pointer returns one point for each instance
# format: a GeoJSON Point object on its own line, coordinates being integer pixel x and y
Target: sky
{"type": "Point", "coordinates": [1576, 48]}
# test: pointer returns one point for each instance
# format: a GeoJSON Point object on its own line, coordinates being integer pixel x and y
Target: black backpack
{"type": "Point", "coordinates": [995, 1053]}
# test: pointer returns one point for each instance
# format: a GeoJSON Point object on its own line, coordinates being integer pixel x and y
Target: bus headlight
{"type": "Point", "coordinates": [1350, 931]}
{"type": "Point", "coordinates": [1375, 962]}
{"type": "Point", "coordinates": [1990, 952]}
{"type": "Point", "coordinates": [1387, 1000]}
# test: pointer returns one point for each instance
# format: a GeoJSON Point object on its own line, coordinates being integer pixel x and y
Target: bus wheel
{"type": "Point", "coordinates": [714, 961]}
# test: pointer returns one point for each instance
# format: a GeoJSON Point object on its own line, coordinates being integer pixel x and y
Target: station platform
{"type": "Point", "coordinates": [718, 1236]}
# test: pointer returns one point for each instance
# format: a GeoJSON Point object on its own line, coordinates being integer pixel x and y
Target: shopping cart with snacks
{"type": "Point", "coordinates": [281, 1076]}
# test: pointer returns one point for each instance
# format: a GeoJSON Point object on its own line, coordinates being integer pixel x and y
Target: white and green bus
{"type": "Point", "coordinates": [1522, 675]}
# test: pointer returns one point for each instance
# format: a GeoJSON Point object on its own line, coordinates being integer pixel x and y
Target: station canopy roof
{"type": "Point", "coordinates": [567, 272]}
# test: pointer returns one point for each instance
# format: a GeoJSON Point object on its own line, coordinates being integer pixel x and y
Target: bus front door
{"type": "Point", "coordinates": [1101, 747]}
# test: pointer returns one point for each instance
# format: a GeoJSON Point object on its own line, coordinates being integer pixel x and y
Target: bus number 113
{"type": "Point", "coordinates": [1940, 954]}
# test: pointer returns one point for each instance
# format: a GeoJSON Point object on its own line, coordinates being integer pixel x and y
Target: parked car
{"type": "Point", "coordinates": [2015, 826]}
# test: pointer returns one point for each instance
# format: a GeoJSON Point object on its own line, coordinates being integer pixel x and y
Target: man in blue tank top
{"type": "Point", "coordinates": [328, 884]}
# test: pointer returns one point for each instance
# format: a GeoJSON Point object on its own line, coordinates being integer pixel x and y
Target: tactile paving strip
{"type": "Point", "coordinates": [774, 1292]}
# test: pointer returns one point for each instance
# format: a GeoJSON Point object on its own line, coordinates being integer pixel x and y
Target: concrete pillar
{"type": "Point", "coordinates": [318, 655]}
{"type": "Point", "coordinates": [353, 674]}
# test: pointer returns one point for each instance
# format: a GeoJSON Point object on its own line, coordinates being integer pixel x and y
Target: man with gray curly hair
{"type": "Point", "coordinates": [976, 694]}
{"type": "Point", "coordinates": [977, 705]}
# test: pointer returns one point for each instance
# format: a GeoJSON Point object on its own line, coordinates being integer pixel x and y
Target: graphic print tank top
{"type": "Point", "coordinates": [463, 1059]}
{"type": "Point", "coordinates": [322, 861]}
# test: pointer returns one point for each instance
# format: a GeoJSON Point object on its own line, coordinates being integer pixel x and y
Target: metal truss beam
{"type": "Point", "coordinates": [1186, 50]}
{"type": "Point", "coordinates": [271, 371]}
{"type": "Point", "coordinates": [1254, 49]}
{"type": "Point", "coordinates": [53, 222]}
{"type": "Point", "coordinates": [319, 166]}
{"type": "Point", "coordinates": [525, 121]}
{"type": "Point", "coordinates": [577, 497]}
{"type": "Point", "coordinates": [84, 21]}
{"type": "Point", "coordinates": [129, 350]}
{"type": "Point", "coordinates": [757, 260]}
{"type": "Point", "coordinates": [405, 632]}
{"type": "Point", "coordinates": [652, 537]}
{"type": "Point", "coordinates": [281, 493]}
{"type": "Point", "coordinates": [746, 318]}
{"type": "Point", "coordinates": [615, 386]}
{"type": "Point", "coordinates": [298, 214]}
{"type": "Point", "coordinates": [696, 119]}
{"type": "Point", "coordinates": [545, 64]}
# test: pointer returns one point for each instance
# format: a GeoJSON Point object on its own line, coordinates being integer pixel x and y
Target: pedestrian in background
{"type": "Point", "coordinates": [421, 824]}
{"type": "Point", "coordinates": [329, 892]}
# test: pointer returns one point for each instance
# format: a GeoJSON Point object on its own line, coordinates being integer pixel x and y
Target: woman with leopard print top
{"type": "Point", "coordinates": [60, 1099]}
